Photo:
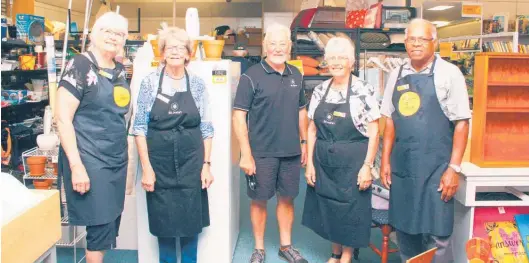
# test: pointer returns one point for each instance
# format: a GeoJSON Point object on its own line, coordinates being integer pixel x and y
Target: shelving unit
{"type": "Point", "coordinates": [354, 34]}
{"type": "Point", "coordinates": [501, 110]}
{"type": "Point", "coordinates": [77, 235]}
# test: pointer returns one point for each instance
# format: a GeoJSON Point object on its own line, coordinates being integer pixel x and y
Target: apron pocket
{"type": "Point", "coordinates": [405, 160]}
{"type": "Point", "coordinates": [335, 183]}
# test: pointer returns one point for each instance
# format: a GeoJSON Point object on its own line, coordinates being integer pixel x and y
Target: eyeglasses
{"type": "Point", "coordinates": [274, 45]}
{"type": "Point", "coordinates": [421, 40]}
{"type": "Point", "coordinates": [179, 49]}
{"type": "Point", "coordinates": [337, 58]}
{"type": "Point", "coordinates": [109, 32]}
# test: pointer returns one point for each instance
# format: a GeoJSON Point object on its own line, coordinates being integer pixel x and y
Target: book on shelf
{"type": "Point", "coordinates": [523, 49]}
{"type": "Point", "coordinates": [522, 221]}
{"type": "Point", "coordinates": [498, 46]}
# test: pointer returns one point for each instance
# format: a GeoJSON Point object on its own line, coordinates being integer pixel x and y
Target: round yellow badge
{"type": "Point", "coordinates": [121, 96]}
{"type": "Point", "coordinates": [409, 103]}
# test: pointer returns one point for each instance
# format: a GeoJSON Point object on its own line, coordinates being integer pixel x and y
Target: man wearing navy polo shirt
{"type": "Point", "coordinates": [270, 121]}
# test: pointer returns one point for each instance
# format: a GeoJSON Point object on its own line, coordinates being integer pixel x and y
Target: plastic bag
{"type": "Point", "coordinates": [506, 243]}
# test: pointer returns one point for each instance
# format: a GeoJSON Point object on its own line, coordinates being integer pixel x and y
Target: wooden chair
{"type": "Point", "coordinates": [380, 219]}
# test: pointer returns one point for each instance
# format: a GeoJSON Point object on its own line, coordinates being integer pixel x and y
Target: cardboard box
{"type": "Point", "coordinates": [30, 28]}
{"type": "Point", "coordinates": [26, 237]}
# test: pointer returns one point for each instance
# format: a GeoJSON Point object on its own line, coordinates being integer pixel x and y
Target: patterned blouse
{"type": "Point", "coordinates": [364, 106]}
{"type": "Point", "coordinates": [147, 95]}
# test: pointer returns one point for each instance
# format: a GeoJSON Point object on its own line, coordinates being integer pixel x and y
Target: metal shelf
{"type": "Point", "coordinates": [74, 242]}
{"type": "Point", "coordinates": [49, 175]}
{"type": "Point", "coordinates": [24, 72]}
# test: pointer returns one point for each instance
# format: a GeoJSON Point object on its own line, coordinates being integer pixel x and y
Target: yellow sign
{"type": "Point", "coordinates": [121, 96]}
{"type": "Point", "coordinates": [445, 49]}
{"type": "Point", "coordinates": [409, 103]}
{"type": "Point", "coordinates": [471, 10]}
{"type": "Point", "coordinates": [219, 76]}
{"type": "Point", "coordinates": [298, 64]}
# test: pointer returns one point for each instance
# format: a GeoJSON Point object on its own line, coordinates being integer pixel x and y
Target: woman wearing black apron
{"type": "Point", "coordinates": [92, 100]}
{"type": "Point", "coordinates": [342, 144]}
{"type": "Point", "coordinates": [173, 134]}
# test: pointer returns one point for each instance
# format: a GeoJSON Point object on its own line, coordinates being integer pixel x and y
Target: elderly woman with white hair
{"type": "Point", "coordinates": [342, 144]}
{"type": "Point", "coordinates": [94, 97]}
{"type": "Point", "coordinates": [173, 131]}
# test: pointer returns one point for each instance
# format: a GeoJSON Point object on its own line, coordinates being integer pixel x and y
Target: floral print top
{"type": "Point", "coordinates": [364, 106]}
{"type": "Point", "coordinates": [147, 96]}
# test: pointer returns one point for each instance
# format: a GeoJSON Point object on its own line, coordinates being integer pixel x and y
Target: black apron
{"type": "Point", "coordinates": [335, 208]}
{"type": "Point", "coordinates": [421, 154]}
{"type": "Point", "coordinates": [178, 206]}
{"type": "Point", "coordinates": [101, 135]}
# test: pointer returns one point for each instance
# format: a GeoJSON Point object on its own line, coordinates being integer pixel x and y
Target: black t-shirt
{"type": "Point", "coordinates": [273, 101]}
{"type": "Point", "coordinates": [80, 77]}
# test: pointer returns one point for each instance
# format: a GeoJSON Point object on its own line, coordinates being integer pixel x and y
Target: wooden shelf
{"type": "Point", "coordinates": [507, 84]}
{"type": "Point", "coordinates": [507, 110]}
{"type": "Point", "coordinates": [500, 116]}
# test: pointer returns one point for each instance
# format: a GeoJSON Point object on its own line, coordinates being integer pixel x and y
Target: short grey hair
{"type": "Point", "coordinates": [341, 45]}
{"type": "Point", "coordinates": [109, 20]}
{"type": "Point", "coordinates": [422, 21]}
{"type": "Point", "coordinates": [277, 29]}
{"type": "Point", "coordinates": [174, 33]}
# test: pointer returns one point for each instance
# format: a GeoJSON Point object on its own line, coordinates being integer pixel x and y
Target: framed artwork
{"type": "Point", "coordinates": [503, 22]}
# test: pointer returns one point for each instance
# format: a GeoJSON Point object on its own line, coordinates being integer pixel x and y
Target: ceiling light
{"type": "Point", "coordinates": [440, 23]}
{"type": "Point", "coordinates": [440, 7]}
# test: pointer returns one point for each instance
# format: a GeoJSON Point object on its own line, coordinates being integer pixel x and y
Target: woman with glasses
{"type": "Point", "coordinates": [173, 133]}
{"type": "Point", "coordinates": [93, 98]}
{"type": "Point", "coordinates": [342, 144]}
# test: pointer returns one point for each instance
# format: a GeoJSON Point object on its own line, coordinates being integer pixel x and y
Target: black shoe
{"type": "Point", "coordinates": [258, 256]}
{"type": "Point", "coordinates": [291, 255]}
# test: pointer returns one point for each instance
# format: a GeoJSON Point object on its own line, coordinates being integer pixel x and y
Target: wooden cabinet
{"type": "Point", "coordinates": [500, 119]}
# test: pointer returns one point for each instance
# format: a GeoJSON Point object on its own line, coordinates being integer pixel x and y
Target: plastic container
{"type": "Point", "coordinates": [213, 48]}
{"type": "Point", "coordinates": [37, 165]}
{"type": "Point", "coordinates": [27, 62]}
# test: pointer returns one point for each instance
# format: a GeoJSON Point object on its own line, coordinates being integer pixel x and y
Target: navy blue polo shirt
{"type": "Point", "coordinates": [273, 101]}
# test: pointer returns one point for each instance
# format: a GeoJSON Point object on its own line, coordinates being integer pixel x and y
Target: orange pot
{"type": "Point", "coordinates": [37, 165]}
{"type": "Point", "coordinates": [213, 48]}
{"type": "Point", "coordinates": [42, 184]}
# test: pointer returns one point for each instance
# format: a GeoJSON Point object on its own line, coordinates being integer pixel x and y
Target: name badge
{"type": "Point", "coordinates": [105, 74]}
{"type": "Point", "coordinates": [162, 98]}
{"type": "Point", "coordinates": [403, 87]}
{"type": "Point", "coordinates": [339, 114]}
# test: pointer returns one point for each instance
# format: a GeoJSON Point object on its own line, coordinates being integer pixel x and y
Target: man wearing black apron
{"type": "Point", "coordinates": [424, 141]}
{"type": "Point", "coordinates": [101, 137]}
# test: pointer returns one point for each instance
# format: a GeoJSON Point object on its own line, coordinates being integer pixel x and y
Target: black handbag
{"type": "Point", "coordinates": [374, 40]}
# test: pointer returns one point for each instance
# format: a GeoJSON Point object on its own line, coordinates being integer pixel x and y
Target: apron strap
{"type": "Point", "coordinates": [433, 64]}
{"type": "Point", "coordinates": [347, 92]}
{"type": "Point", "coordinates": [160, 81]}
{"type": "Point", "coordinates": [400, 72]}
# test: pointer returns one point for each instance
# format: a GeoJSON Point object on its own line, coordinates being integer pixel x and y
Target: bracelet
{"type": "Point", "coordinates": [368, 164]}
{"type": "Point", "coordinates": [303, 141]}
{"type": "Point", "coordinates": [208, 163]}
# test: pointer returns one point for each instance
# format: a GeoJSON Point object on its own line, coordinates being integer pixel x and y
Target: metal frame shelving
{"type": "Point", "coordinates": [354, 34]}
{"type": "Point", "coordinates": [53, 154]}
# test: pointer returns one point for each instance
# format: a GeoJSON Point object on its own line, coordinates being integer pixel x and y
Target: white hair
{"type": "Point", "coordinates": [109, 20]}
{"type": "Point", "coordinates": [174, 33]}
{"type": "Point", "coordinates": [341, 45]}
{"type": "Point", "coordinates": [277, 29]}
{"type": "Point", "coordinates": [421, 21]}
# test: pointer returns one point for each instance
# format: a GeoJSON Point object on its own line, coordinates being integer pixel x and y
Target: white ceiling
{"type": "Point", "coordinates": [449, 15]}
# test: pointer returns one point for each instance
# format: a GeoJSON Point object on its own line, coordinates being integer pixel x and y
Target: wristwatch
{"type": "Point", "coordinates": [456, 167]}
{"type": "Point", "coordinates": [368, 164]}
{"type": "Point", "coordinates": [208, 163]}
{"type": "Point", "coordinates": [303, 141]}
